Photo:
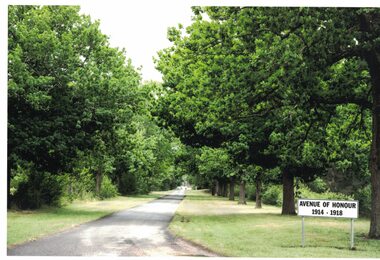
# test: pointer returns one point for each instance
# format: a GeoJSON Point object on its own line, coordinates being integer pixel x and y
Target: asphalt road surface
{"type": "Point", "coordinates": [139, 231]}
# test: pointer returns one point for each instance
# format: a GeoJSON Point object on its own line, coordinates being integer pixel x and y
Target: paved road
{"type": "Point", "coordinates": [139, 231]}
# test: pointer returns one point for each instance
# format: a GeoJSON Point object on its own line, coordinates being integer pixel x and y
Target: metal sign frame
{"type": "Point", "coordinates": [352, 245]}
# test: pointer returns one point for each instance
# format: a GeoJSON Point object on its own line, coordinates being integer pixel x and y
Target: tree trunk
{"type": "Point", "coordinates": [9, 199]}
{"type": "Point", "coordinates": [232, 189]}
{"type": "Point", "coordinates": [99, 178]}
{"type": "Point", "coordinates": [372, 59]}
{"type": "Point", "coordinates": [242, 193]}
{"type": "Point", "coordinates": [374, 231]}
{"type": "Point", "coordinates": [219, 188]}
{"type": "Point", "coordinates": [288, 207]}
{"type": "Point", "coordinates": [213, 188]}
{"type": "Point", "coordinates": [258, 191]}
{"type": "Point", "coordinates": [225, 188]}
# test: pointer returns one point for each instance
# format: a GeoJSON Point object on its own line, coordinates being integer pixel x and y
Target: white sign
{"type": "Point", "coordinates": [328, 208]}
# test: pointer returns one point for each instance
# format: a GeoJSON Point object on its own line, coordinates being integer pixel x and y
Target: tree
{"type": "Point", "coordinates": [204, 115]}
{"type": "Point", "coordinates": [324, 39]}
{"type": "Point", "coordinates": [214, 163]}
{"type": "Point", "coordinates": [345, 38]}
{"type": "Point", "coordinates": [254, 65]}
{"type": "Point", "coordinates": [67, 90]}
{"type": "Point", "coordinates": [41, 114]}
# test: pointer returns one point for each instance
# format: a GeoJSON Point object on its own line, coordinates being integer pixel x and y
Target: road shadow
{"type": "Point", "coordinates": [170, 198]}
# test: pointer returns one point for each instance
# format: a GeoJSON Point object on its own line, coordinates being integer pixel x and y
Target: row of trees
{"type": "Point", "coordinates": [257, 94]}
{"type": "Point", "coordinates": [291, 89]}
{"type": "Point", "coordinates": [78, 115]}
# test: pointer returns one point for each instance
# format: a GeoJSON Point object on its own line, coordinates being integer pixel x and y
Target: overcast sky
{"type": "Point", "coordinates": [139, 27]}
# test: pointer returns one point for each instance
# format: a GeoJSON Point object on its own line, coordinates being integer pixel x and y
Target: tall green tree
{"type": "Point", "coordinates": [67, 92]}
{"type": "Point", "coordinates": [244, 70]}
{"type": "Point", "coordinates": [338, 45]}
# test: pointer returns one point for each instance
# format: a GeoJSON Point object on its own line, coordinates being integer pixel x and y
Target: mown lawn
{"type": "Point", "coordinates": [24, 226]}
{"type": "Point", "coordinates": [241, 230]}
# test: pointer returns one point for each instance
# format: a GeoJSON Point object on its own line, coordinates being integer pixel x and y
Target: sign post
{"type": "Point", "coordinates": [330, 209]}
{"type": "Point", "coordinates": [352, 234]}
{"type": "Point", "coordinates": [303, 231]}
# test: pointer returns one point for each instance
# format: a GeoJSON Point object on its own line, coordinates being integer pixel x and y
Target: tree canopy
{"type": "Point", "coordinates": [250, 95]}
{"type": "Point", "coordinates": [279, 82]}
{"type": "Point", "coordinates": [78, 113]}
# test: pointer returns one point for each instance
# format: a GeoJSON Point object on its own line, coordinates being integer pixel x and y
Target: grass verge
{"type": "Point", "coordinates": [23, 226]}
{"type": "Point", "coordinates": [243, 231]}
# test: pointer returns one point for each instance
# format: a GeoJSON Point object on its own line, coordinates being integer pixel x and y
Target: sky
{"type": "Point", "coordinates": [139, 27]}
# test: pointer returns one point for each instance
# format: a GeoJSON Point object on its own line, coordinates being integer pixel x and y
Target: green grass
{"type": "Point", "coordinates": [238, 230]}
{"type": "Point", "coordinates": [23, 226]}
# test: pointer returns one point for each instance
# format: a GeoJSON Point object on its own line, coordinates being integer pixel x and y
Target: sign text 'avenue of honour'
{"type": "Point", "coordinates": [328, 208]}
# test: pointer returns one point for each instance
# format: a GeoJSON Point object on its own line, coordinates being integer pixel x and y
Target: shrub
{"type": "Point", "coordinates": [318, 185]}
{"type": "Point", "coordinates": [51, 189]}
{"type": "Point", "coordinates": [30, 188]}
{"type": "Point", "coordinates": [305, 192]}
{"type": "Point", "coordinates": [81, 185]}
{"type": "Point", "coordinates": [273, 195]}
{"type": "Point", "coordinates": [363, 195]}
{"type": "Point", "coordinates": [108, 189]}
{"type": "Point", "coordinates": [27, 196]}
{"type": "Point", "coordinates": [127, 184]}
{"type": "Point", "coordinates": [19, 178]}
{"type": "Point", "coordinates": [142, 185]}
{"type": "Point", "coordinates": [168, 184]}
{"type": "Point", "coordinates": [236, 191]}
{"type": "Point", "coordinates": [250, 191]}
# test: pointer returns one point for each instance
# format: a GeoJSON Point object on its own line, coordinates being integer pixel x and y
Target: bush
{"type": "Point", "coordinates": [108, 189]}
{"type": "Point", "coordinates": [363, 195]}
{"type": "Point", "coordinates": [305, 193]}
{"type": "Point", "coordinates": [237, 190]}
{"type": "Point", "coordinates": [127, 184]}
{"type": "Point", "coordinates": [318, 185]}
{"type": "Point", "coordinates": [19, 177]}
{"type": "Point", "coordinates": [30, 188]}
{"type": "Point", "coordinates": [250, 191]}
{"type": "Point", "coordinates": [273, 195]}
{"type": "Point", "coordinates": [142, 185]}
{"type": "Point", "coordinates": [81, 185]}
{"type": "Point", "coordinates": [168, 184]}
{"type": "Point", "coordinates": [52, 189]}
{"type": "Point", "coordinates": [27, 196]}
